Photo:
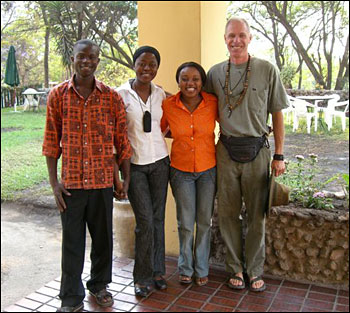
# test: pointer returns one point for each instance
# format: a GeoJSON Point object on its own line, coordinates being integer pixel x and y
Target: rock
{"type": "Point", "coordinates": [289, 230]}
{"type": "Point", "coordinates": [320, 222]}
{"type": "Point", "coordinates": [307, 237]}
{"type": "Point", "coordinates": [283, 219]}
{"type": "Point", "coordinates": [333, 266]}
{"type": "Point", "coordinates": [282, 255]}
{"type": "Point", "coordinates": [339, 195]}
{"type": "Point", "coordinates": [284, 265]}
{"type": "Point", "coordinates": [327, 272]}
{"type": "Point", "coordinates": [324, 253]}
{"type": "Point", "coordinates": [298, 253]}
{"type": "Point", "coordinates": [337, 254]}
{"type": "Point", "coordinates": [300, 234]}
{"type": "Point", "coordinates": [297, 222]}
{"type": "Point", "coordinates": [312, 252]}
{"type": "Point", "coordinates": [328, 194]}
{"type": "Point", "coordinates": [278, 245]}
{"type": "Point", "coordinates": [300, 267]}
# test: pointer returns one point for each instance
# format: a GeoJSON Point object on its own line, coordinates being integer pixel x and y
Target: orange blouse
{"type": "Point", "coordinates": [193, 148]}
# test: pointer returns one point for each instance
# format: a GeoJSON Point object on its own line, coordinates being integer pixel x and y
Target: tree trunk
{"type": "Point", "coordinates": [344, 65]}
{"type": "Point", "coordinates": [273, 10]}
{"type": "Point", "coordinates": [47, 46]}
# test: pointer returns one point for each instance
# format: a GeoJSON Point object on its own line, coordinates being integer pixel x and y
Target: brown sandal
{"type": "Point", "coordinates": [183, 279]}
{"type": "Point", "coordinates": [103, 297]}
{"type": "Point", "coordinates": [201, 281]}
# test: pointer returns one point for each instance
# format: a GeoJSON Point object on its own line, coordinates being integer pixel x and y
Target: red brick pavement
{"type": "Point", "coordinates": [280, 295]}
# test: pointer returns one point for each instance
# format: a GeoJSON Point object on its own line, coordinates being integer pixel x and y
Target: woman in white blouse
{"type": "Point", "coordinates": [149, 169]}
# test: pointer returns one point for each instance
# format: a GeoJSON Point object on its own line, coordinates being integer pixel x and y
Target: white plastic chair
{"type": "Point", "coordinates": [330, 112]}
{"type": "Point", "coordinates": [289, 110]}
{"type": "Point", "coordinates": [30, 101]}
{"type": "Point", "coordinates": [301, 110]}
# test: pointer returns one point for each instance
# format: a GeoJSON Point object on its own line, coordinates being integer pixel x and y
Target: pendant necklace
{"type": "Point", "coordinates": [147, 115]}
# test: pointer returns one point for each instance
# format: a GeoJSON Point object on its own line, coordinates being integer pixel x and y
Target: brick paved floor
{"type": "Point", "coordinates": [280, 296]}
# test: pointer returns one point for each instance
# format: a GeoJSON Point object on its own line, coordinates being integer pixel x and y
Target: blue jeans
{"type": "Point", "coordinates": [194, 195]}
{"type": "Point", "coordinates": [147, 194]}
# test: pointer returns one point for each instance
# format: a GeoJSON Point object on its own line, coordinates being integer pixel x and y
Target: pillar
{"type": "Point", "coordinates": [182, 31]}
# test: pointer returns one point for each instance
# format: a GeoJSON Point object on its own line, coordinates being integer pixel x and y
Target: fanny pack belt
{"type": "Point", "coordinates": [243, 149]}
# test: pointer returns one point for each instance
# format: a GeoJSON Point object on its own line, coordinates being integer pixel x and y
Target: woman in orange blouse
{"type": "Point", "coordinates": [191, 116]}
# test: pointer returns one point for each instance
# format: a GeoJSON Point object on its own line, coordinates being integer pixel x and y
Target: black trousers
{"type": "Point", "coordinates": [147, 194]}
{"type": "Point", "coordinates": [94, 209]}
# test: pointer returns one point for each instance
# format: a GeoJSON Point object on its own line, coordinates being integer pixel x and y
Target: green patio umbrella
{"type": "Point", "coordinates": [11, 73]}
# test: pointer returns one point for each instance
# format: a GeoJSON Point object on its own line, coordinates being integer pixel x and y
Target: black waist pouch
{"type": "Point", "coordinates": [243, 149]}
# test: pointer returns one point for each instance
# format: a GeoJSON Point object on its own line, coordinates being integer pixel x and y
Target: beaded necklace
{"type": "Point", "coordinates": [231, 107]}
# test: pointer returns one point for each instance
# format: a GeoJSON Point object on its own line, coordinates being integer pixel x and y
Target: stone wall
{"type": "Point", "coordinates": [301, 244]}
{"type": "Point", "coordinates": [344, 95]}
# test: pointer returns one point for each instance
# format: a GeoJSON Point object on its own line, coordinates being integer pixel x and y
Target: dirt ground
{"type": "Point", "coordinates": [333, 155]}
{"type": "Point", "coordinates": [31, 229]}
{"type": "Point", "coordinates": [30, 250]}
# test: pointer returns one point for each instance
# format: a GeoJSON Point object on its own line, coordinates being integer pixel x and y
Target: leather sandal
{"type": "Point", "coordinates": [160, 283]}
{"type": "Point", "coordinates": [142, 291]}
{"type": "Point", "coordinates": [103, 297]}
{"type": "Point", "coordinates": [237, 287]}
{"type": "Point", "coordinates": [183, 279]}
{"type": "Point", "coordinates": [201, 281]}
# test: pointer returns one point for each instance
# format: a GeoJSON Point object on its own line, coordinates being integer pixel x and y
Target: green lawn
{"type": "Point", "coordinates": [22, 164]}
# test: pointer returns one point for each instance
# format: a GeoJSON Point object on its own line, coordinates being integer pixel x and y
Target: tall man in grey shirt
{"type": "Point", "coordinates": [248, 90]}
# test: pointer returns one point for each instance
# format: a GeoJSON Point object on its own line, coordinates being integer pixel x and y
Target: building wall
{"type": "Point", "coordinates": [181, 31]}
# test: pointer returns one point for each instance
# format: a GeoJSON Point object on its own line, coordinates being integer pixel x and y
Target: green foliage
{"type": "Point", "coordinates": [22, 165]}
{"type": "Point", "coordinates": [112, 73]}
{"type": "Point", "coordinates": [287, 75]}
{"type": "Point", "coordinates": [110, 23]}
{"type": "Point", "coordinates": [305, 189]}
{"type": "Point", "coordinates": [345, 178]}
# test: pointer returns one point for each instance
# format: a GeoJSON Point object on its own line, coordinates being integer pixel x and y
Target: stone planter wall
{"type": "Point", "coordinates": [301, 244]}
{"type": "Point", "coordinates": [344, 95]}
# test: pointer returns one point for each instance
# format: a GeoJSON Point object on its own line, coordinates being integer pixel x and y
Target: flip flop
{"type": "Point", "coordinates": [262, 288]}
{"type": "Point", "coordinates": [183, 279]}
{"type": "Point", "coordinates": [237, 287]}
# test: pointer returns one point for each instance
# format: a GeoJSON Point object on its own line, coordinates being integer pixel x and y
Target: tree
{"type": "Point", "coordinates": [324, 35]}
{"type": "Point", "coordinates": [47, 43]}
{"type": "Point", "coordinates": [110, 23]}
{"type": "Point", "coordinates": [8, 9]}
{"type": "Point", "coordinates": [311, 28]}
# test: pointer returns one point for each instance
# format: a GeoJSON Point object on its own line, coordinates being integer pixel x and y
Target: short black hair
{"type": "Point", "coordinates": [86, 42]}
{"type": "Point", "coordinates": [196, 66]}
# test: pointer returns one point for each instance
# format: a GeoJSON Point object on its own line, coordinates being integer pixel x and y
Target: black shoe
{"type": "Point", "coordinates": [142, 291]}
{"type": "Point", "coordinates": [160, 284]}
{"type": "Point", "coordinates": [76, 308]}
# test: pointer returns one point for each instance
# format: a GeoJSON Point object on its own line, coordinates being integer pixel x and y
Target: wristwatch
{"type": "Point", "coordinates": [278, 157]}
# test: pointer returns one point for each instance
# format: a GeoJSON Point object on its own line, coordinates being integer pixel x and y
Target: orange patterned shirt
{"type": "Point", "coordinates": [193, 148]}
{"type": "Point", "coordinates": [84, 132]}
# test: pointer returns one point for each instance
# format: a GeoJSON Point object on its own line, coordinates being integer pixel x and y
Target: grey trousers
{"type": "Point", "coordinates": [246, 182]}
